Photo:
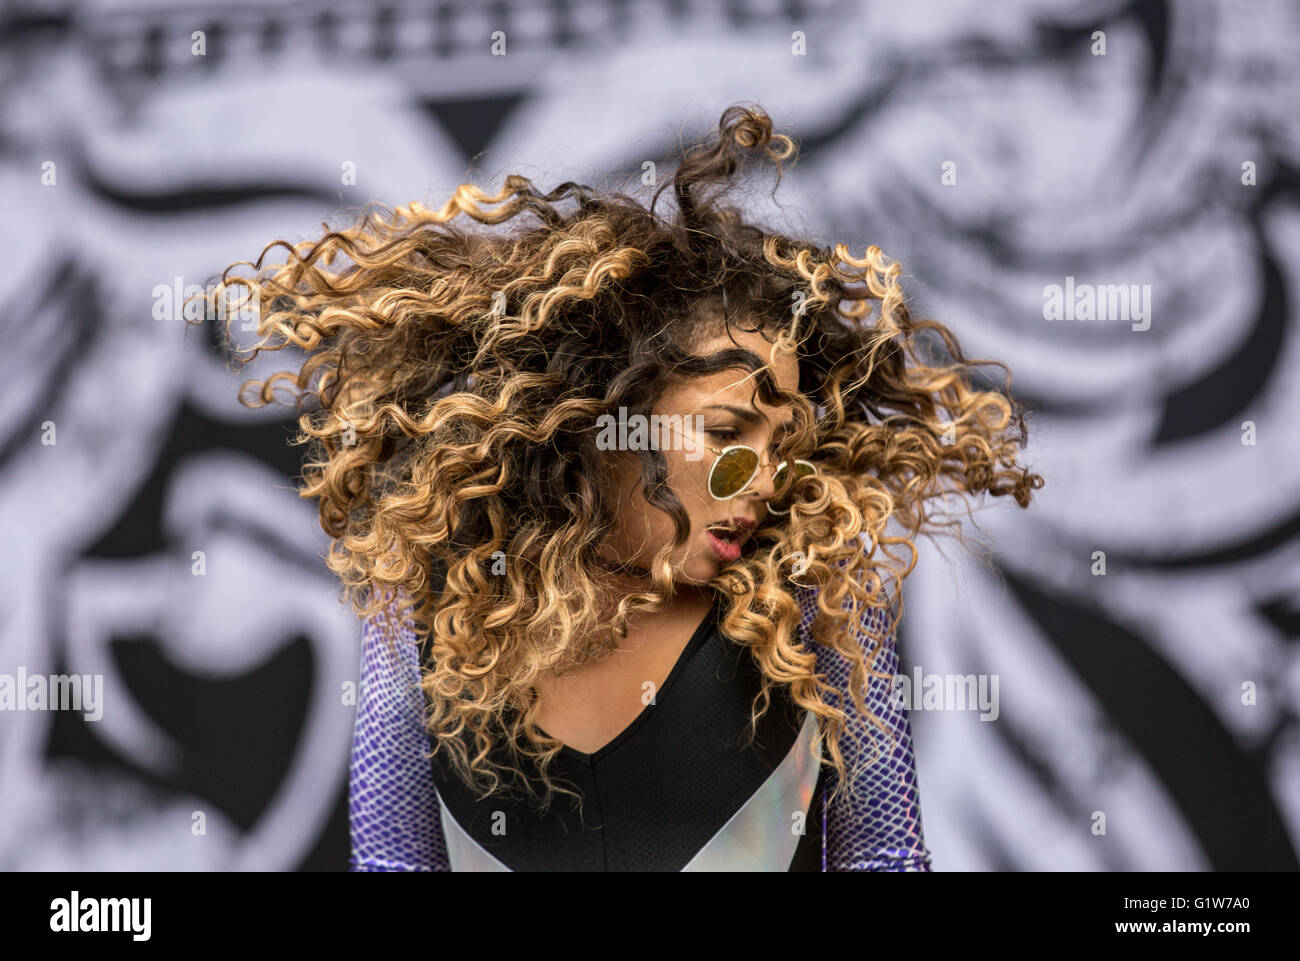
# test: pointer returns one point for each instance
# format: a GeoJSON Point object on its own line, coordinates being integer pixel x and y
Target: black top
{"type": "Point", "coordinates": [663, 787]}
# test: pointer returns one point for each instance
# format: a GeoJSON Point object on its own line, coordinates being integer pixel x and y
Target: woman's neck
{"type": "Point", "coordinates": [623, 579]}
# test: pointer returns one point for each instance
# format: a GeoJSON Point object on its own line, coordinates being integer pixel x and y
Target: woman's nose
{"type": "Point", "coordinates": [763, 483]}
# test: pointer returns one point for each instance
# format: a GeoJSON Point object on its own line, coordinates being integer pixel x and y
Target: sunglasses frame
{"type": "Point", "coordinates": [790, 486]}
{"type": "Point", "coordinates": [720, 452]}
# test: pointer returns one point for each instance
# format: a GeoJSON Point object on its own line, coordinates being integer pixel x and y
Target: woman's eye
{"type": "Point", "coordinates": [731, 436]}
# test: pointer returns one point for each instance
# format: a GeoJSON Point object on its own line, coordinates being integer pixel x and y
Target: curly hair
{"type": "Point", "coordinates": [453, 376]}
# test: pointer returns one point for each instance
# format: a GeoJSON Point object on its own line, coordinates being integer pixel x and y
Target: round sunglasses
{"type": "Point", "coordinates": [736, 467]}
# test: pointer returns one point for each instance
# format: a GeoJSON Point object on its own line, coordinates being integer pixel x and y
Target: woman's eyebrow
{"type": "Point", "coordinates": [749, 415]}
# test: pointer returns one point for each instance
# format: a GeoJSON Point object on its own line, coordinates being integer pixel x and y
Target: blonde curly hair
{"type": "Point", "coordinates": [455, 375]}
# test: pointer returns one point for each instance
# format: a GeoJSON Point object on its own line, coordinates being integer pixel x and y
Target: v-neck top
{"type": "Point", "coordinates": [700, 635]}
{"type": "Point", "coordinates": [679, 788]}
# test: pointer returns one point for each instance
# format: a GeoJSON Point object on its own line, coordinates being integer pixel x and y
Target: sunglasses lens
{"type": "Point", "coordinates": [784, 481]}
{"type": "Point", "coordinates": [732, 471]}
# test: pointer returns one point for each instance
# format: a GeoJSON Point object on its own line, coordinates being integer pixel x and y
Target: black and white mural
{"type": "Point", "coordinates": [1105, 195]}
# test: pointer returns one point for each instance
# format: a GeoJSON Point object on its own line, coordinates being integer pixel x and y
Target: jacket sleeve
{"type": "Point", "coordinates": [393, 815]}
{"type": "Point", "coordinates": [879, 827]}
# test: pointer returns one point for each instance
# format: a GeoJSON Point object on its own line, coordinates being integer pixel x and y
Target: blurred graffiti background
{"type": "Point", "coordinates": [1142, 617]}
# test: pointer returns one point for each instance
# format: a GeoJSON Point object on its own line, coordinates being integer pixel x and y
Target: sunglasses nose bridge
{"type": "Point", "coordinates": [766, 473]}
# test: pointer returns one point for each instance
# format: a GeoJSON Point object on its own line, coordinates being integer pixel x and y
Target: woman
{"type": "Point", "coordinates": [609, 491]}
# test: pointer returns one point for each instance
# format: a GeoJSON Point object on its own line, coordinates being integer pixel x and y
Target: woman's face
{"type": "Point", "coordinates": [730, 412]}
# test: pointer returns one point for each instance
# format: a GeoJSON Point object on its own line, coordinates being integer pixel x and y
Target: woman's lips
{"type": "Point", "coordinates": [723, 550]}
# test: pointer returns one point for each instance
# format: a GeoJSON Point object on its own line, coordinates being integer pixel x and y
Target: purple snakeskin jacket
{"type": "Point", "coordinates": [393, 810]}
